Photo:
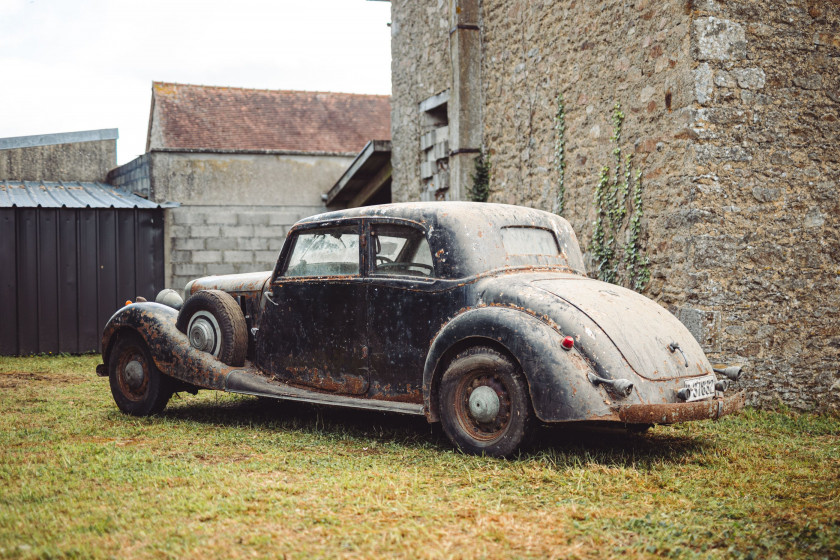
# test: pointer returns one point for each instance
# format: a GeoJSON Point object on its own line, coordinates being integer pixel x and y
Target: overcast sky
{"type": "Point", "coordinates": [69, 65]}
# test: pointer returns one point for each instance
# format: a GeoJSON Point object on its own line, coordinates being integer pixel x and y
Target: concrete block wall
{"type": "Point", "coordinates": [213, 240]}
{"type": "Point", "coordinates": [134, 176]}
{"type": "Point", "coordinates": [235, 209]}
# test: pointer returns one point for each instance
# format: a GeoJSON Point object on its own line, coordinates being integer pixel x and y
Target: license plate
{"type": "Point", "coordinates": [701, 387]}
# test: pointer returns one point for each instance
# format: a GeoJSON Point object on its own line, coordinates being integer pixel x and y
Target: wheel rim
{"type": "Point", "coordinates": [133, 374]}
{"type": "Point", "coordinates": [483, 406]}
{"type": "Point", "coordinates": [204, 333]}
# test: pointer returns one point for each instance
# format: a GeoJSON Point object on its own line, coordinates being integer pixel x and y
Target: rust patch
{"type": "Point", "coordinates": [671, 413]}
{"type": "Point", "coordinates": [319, 381]}
{"type": "Point", "coordinates": [407, 395]}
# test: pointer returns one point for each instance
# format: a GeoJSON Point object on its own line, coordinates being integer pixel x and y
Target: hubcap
{"type": "Point", "coordinates": [484, 404]}
{"type": "Point", "coordinates": [204, 333]}
{"type": "Point", "coordinates": [133, 374]}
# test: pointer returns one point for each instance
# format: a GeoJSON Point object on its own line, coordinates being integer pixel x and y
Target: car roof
{"type": "Point", "coordinates": [465, 236]}
{"type": "Point", "coordinates": [441, 214]}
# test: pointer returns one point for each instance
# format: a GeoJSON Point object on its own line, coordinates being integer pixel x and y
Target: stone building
{"type": "Point", "coordinates": [730, 111]}
{"type": "Point", "coordinates": [245, 165]}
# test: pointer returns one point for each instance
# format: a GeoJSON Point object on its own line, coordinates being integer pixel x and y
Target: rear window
{"type": "Point", "coordinates": [523, 240]}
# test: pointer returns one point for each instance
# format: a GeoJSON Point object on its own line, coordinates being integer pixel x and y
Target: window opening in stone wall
{"type": "Point", "coordinates": [434, 146]}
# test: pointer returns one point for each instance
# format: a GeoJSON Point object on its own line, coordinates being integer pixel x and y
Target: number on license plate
{"type": "Point", "coordinates": [701, 387]}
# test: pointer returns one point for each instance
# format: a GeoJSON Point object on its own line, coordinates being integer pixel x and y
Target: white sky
{"type": "Point", "coordinates": [70, 65]}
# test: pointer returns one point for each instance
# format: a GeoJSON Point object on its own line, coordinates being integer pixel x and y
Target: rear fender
{"type": "Point", "coordinates": [169, 347]}
{"type": "Point", "coordinates": [557, 379]}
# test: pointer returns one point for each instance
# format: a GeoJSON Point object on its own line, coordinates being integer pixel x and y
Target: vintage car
{"type": "Point", "coordinates": [479, 316]}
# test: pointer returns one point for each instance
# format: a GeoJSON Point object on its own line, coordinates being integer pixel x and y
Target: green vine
{"type": "Point", "coordinates": [479, 191]}
{"type": "Point", "coordinates": [612, 207]}
{"type": "Point", "coordinates": [560, 154]}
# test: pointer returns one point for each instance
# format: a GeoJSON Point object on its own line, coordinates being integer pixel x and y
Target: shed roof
{"type": "Point", "coordinates": [30, 194]}
{"type": "Point", "coordinates": [368, 172]}
{"type": "Point", "coordinates": [210, 118]}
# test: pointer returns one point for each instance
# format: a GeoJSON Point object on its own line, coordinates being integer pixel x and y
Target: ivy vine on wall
{"type": "Point", "coordinates": [479, 191]}
{"type": "Point", "coordinates": [560, 154]}
{"type": "Point", "coordinates": [617, 196]}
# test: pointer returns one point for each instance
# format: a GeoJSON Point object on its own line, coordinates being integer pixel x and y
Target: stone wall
{"type": "Point", "coordinates": [595, 55]}
{"type": "Point", "coordinates": [71, 161]}
{"type": "Point", "coordinates": [765, 237]}
{"type": "Point", "coordinates": [420, 69]}
{"type": "Point", "coordinates": [731, 114]}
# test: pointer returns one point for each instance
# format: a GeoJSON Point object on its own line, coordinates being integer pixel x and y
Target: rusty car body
{"type": "Point", "coordinates": [476, 315]}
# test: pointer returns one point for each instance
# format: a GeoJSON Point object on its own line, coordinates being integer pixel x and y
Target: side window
{"type": "Point", "coordinates": [325, 252]}
{"type": "Point", "coordinates": [400, 251]}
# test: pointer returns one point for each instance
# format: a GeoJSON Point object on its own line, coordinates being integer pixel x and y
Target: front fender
{"type": "Point", "coordinates": [557, 379]}
{"type": "Point", "coordinates": [169, 347]}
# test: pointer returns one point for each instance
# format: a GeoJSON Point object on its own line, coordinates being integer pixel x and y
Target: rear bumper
{"type": "Point", "coordinates": [671, 413]}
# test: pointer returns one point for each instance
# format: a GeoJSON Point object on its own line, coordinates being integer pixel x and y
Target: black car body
{"type": "Point", "coordinates": [477, 315]}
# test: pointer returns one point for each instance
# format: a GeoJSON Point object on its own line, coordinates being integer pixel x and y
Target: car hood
{"type": "Point", "coordinates": [640, 329]}
{"type": "Point", "coordinates": [237, 284]}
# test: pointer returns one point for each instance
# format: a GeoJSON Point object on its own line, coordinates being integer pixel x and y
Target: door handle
{"type": "Point", "coordinates": [267, 296]}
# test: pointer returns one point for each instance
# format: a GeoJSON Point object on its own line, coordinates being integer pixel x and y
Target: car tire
{"type": "Point", "coordinates": [485, 408]}
{"type": "Point", "coordinates": [214, 323]}
{"type": "Point", "coordinates": [138, 387]}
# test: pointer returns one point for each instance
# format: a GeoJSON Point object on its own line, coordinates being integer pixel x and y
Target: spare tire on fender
{"type": "Point", "coordinates": [214, 323]}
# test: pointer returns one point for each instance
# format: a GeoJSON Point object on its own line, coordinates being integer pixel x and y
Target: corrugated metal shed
{"type": "Point", "coordinates": [33, 194]}
{"type": "Point", "coordinates": [70, 255]}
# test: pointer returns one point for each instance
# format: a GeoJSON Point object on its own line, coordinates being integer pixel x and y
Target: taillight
{"type": "Point", "coordinates": [568, 343]}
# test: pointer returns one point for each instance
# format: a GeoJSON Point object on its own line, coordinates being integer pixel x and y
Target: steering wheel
{"type": "Point", "coordinates": [405, 267]}
{"type": "Point", "coordinates": [383, 259]}
{"type": "Point", "coordinates": [428, 267]}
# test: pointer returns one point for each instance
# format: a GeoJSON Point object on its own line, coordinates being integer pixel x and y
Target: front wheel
{"type": "Point", "coordinates": [484, 404]}
{"type": "Point", "coordinates": [138, 387]}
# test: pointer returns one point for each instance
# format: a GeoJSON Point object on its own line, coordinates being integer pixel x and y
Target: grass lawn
{"type": "Point", "coordinates": [222, 476]}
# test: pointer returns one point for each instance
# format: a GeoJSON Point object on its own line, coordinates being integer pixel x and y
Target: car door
{"type": "Point", "coordinates": [312, 326]}
{"type": "Point", "coordinates": [406, 306]}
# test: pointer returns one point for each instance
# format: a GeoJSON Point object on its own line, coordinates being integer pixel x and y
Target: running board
{"type": "Point", "coordinates": [245, 383]}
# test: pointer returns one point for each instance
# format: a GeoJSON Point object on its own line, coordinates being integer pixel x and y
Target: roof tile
{"type": "Point", "coordinates": [223, 118]}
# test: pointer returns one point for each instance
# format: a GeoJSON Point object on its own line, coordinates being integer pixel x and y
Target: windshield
{"type": "Point", "coordinates": [325, 252]}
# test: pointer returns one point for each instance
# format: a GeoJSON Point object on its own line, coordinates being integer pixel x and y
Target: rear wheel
{"type": "Point", "coordinates": [484, 404]}
{"type": "Point", "coordinates": [214, 323]}
{"type": "Point", "coordinates": [138, 387]}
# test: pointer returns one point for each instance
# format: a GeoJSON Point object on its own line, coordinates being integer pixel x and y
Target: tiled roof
{"type": "Point", "coordinates": [192, 117]}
